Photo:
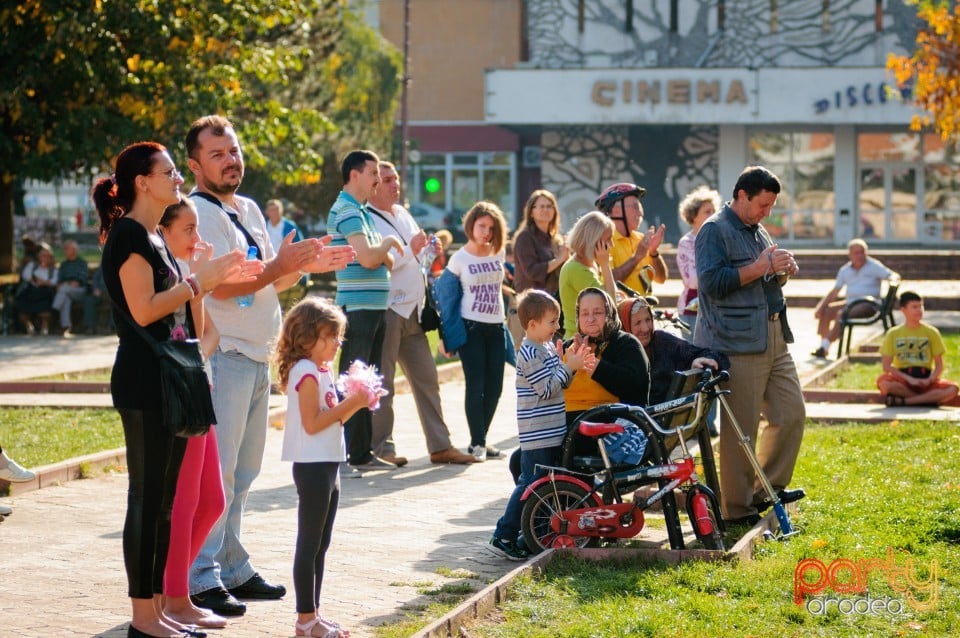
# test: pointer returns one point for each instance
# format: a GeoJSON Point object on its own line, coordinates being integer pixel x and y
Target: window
{"type": "Point", "coordinates": [941, 196]}
{"type": "Point", "coordinates": [456, 181]}
{"type": "Point", "coordinates": [890, 171]}
{"type": "Point", "coordinates": [804, 163]}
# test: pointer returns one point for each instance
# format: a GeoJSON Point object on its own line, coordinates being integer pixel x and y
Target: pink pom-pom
{"type": "Point", "coordinates": [363, 378]}
{"type": "Point", "coordinates": [178, 333]}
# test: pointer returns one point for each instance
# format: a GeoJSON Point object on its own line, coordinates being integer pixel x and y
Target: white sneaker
{"type": "Point", "coordinates": [5, 511]}
{"type": "Point", "coordinates": [350, 472]}
{"type": "Point", "coordinates": [479, 452]}
{"type": "Point", "coordinates": [15, 473]}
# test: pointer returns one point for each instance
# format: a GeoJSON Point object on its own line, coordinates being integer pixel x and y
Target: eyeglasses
{"type": "Point", "coordinates": [172, 174]}
{"type": "Point", "coordinates": [543, 207]}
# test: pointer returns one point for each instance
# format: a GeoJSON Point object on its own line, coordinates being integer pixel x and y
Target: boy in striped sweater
{"type": "Point", "coordinates": [541, 418]}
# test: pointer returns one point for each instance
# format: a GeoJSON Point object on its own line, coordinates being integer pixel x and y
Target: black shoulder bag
{"type": "Point", "coordinates": [185, 400]}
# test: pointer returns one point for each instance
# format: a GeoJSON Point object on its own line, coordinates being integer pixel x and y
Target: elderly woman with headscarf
{"type": "Point", "coordinates": [622, 373]}
{"type": "Point", "coordinates": [666, 353]}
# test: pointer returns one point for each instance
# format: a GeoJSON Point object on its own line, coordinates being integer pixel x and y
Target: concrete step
{"type": "Point", "coordinates": [939, 294]}
{"type": "Point", "coordinates": [913, 264]}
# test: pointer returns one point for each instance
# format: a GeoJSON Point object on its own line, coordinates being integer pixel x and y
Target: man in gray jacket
{"type": "Point", "coordinates": [742, 314]}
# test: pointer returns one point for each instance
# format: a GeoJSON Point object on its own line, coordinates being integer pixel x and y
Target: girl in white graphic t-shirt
{"type": "Point", "coordinates": [479, 266]}
{"type": "Point", "coordinates": [313, 440]}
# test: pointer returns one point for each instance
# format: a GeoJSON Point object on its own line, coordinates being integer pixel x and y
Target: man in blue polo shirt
{"type": "Point", "coordinates": [363, 289]}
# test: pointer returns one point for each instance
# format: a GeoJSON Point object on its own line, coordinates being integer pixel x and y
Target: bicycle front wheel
{"type": "Point", "coordinates": [542, 505]}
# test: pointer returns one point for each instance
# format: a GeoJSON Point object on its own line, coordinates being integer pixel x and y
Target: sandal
{"type": "Point", "coordinates": [319, 628]}
{"type": "Point", "coordinates": [335, 625]}
{"type": "Point", "coordinates": [893, 400]}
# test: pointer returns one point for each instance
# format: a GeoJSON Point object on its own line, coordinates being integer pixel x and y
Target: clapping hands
{"type": "Point", "coordinates": [231, 268]}
{"type": "Point", "coordinates": [579, 356]}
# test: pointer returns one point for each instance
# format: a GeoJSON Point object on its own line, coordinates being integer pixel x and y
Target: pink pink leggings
{"type": "Point", "coordinates": [197, 505]}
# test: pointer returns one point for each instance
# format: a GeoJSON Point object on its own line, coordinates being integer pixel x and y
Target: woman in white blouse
{"type": "Point", "coordinates": [695, 208]}
{"type": "Point", "coordinates": [478, 266]}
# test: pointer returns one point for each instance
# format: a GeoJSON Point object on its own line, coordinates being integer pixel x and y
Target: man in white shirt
{"type": "Point", "coordinates": [405, 341]}
{"type": "Point", "coordinates": [862, 276]}
{"type": "Point", "coordinates": [222, 572]}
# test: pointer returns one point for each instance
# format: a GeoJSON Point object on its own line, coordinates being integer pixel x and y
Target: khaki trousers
{"type": "Point", "coordinates": [404, 342]}
{"type": "Point", "coordinates": [764, 383]}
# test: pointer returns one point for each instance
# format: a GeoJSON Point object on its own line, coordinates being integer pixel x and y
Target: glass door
{"type": "Point", "coordinates": [889, 191]}
{"type": "Point", "coordinates": [888, 202]}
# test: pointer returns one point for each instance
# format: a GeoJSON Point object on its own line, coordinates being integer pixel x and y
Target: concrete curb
{"type": "Point", "coordinates": [489, 598]}
{"type": "Point", "coordinates": [54, 387]}
{"type": "Point", "coordinates": [68, 470]}
{"type": "Point", "coordinates": [483, 602]}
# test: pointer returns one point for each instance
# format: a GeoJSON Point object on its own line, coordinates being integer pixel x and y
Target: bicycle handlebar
{"type": "Point", "coordinates": [708, 380]}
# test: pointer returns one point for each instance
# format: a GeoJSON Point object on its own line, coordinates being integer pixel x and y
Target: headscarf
{"type": "Point", "coordinates": [627, 307]}
{"type": "Point", "coordinates": [611, 325]}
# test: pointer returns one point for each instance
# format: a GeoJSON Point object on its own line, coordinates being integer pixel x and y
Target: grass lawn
{"type": "Point", "coordinates": [863, 376]}
{"type": "Point", "coordinates": [98, 374]}
{"type": "Point", "coordinates": [887, 493]}
{"type": "Point", "coordinates": [103, 374]}
{"type": "Point", "coordinates": [39, 436]}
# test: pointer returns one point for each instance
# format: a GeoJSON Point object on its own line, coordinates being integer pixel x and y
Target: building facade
{"type": "Point", "coordinates": [457, 156]}
{"type": "Point", "coordinates": [672, 95]}
{"type": "Point", "coordinates": [578, 94]}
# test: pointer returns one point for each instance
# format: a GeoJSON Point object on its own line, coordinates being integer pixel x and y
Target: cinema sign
{"type": "Point", "coordinates": [671, 91]}
{"type": "Point", "coordinates": [691, 96]}
{"type": "Point", "coordinates": [620, 95]}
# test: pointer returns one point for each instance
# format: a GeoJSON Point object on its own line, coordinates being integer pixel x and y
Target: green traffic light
{"type": "Point", "coordinates": [432, 185]}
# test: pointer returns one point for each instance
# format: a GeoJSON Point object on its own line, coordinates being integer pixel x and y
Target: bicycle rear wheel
{"type": "Point", "coordinates": [539, 509]}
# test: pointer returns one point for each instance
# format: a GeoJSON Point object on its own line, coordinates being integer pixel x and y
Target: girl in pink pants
{"type": "Point", "coordinates": [199, 499]}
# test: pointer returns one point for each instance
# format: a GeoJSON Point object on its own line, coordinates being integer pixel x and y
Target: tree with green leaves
{"type": "Point", "coordinates": [80, 79]}
{"type": "Point", "coordinates": [359, 82]}
{"type": "Point", "coordinates": [933, 70]}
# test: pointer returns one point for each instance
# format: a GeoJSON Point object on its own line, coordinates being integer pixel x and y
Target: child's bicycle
{"type": "Point", "coordinates": [570, 507]}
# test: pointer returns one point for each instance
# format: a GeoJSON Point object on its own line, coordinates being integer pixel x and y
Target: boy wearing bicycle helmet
{"type": "Point", "coordinates": [635, 256]}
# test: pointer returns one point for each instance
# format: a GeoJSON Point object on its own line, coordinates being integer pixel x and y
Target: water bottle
{"type": "Point", "coordinates": [245, 301]}
{"type": "Point", "coordinates": [429, 255]}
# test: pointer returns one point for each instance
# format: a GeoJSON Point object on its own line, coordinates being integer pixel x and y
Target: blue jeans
{"type": "Point", "coordinates": [508, 527]}
{"type": "Point", "coordinates": [241, 394]}
{"type": "Point", "coordinates": [482, 358]}
{"type": "Point", "coordinates": [363, 341]}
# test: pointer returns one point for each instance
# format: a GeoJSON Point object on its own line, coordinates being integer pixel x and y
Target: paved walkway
{"type": "Point", "coordinates": [397, 534]}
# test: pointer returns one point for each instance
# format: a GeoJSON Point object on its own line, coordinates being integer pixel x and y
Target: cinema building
{"type": "Point", "coordinates": [672, 95]}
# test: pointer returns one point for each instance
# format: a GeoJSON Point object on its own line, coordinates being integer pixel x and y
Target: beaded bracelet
{"type": "Point", "coordinates": [192, 284]}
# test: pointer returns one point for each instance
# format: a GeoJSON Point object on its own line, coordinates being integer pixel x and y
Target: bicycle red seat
{"type": "Point", "coordinates": [586, 428]}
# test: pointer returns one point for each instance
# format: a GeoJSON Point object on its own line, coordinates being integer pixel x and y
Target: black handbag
{"type": "Point", "coordinates": [185, 400]}
{"type": "Point", "coordinates": [429, 318]}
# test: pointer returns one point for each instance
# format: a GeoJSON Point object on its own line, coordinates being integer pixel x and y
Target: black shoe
{"type": "Point", "coordinates": [819, 353]}
{"type": "Point", "coordinates": [219, 601]}
{"type": "Point", "coordinates": [785, 496]}
{"type": "Point", "coordinates": [259, 589]}
{"type": "Point", "coordinates": [133, 632]}
{"type": "Point", "coordinates": [749, 519]}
